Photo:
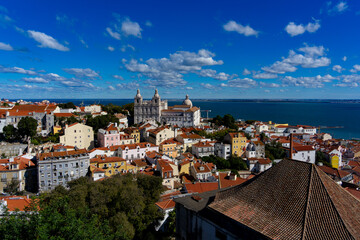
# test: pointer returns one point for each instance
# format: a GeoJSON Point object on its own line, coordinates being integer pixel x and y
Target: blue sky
{"type": "Point", "coordinates": [207, 49]}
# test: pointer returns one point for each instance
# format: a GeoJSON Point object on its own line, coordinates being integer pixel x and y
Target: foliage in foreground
{"type": "Point", "coordinates": [233, 163]}
{"type": "Point", "coordinates": [121, 207]}
{"type": "Point", "coordinates": [274, 150]}
{"type": "Point", "coordinates": [26, 128]}
{"type": "Point", "coordinates": [227, 121]}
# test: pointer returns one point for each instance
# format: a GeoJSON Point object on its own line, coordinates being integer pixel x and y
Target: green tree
{"type": "Point", "coordinates": [67, 105]}
{"type": "Point", "coordinates": [274, 150]}
{"type": "Point", "coordinates": [250, 121]}
{"type": "Point", "coordinates": [227, 121]}
{"type": "Point", "coordinates": [13, 186]}
{"type": "Point", "coordinates": [120, 207]}
{"type": "Point", "coordinates": [101, 121]}
{"type": "Point", "coordinates": [72, 120]}
{"type": "Point", "coordinates": [27, 127]}
{"type": "Point", "coordinates": [10, 132]}
{"type": "Point", "coordinates": [320, 157]}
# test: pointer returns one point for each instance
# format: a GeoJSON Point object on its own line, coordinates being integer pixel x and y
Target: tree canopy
{"type": "Point", "coordinates": [10, 133]}
{"type": "Point", "coordinates": [233, 163]}
{"type": "Point", "coordinates": [101, 121]}
{"type": "Point", "coordinates": [120, 207]}
{"type": "Point", "coordinates": [227, 121]}
{"type": "Point", "coordinates": [27, 127]}
{"type": "Point", "coordinates": [67, 105]}
{"type": "Point", "coordinates": [274, 150]}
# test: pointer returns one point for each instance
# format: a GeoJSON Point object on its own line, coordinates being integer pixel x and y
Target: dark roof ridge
{"type": "Point", "coordinates": [307, 202]}
{"type": "Point", "coordinates": [339, 212]}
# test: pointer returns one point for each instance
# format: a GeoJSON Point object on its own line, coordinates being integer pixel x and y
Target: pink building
{"type": "Point", "coordinates": [109, 137]}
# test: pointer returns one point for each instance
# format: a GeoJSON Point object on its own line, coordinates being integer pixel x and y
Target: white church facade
{"type": "Point", "coordinates": [185, 115]}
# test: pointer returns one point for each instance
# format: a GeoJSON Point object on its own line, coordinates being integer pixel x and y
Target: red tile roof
{"type": "Point", "coordinates": [200, 187]}
{"type": "Point", "coordinates": [42, 156]}
{"type": "Point", "coordinates": [309, 202]}
{"type": "Point", "coordinates": [111, 127]}
{"type": "Point", "coordinates": [354, 192]}
{"type": "Point", "coordinates": [165, 166]}
{"type": "Point", "coordinates": [135, 145]}
{"type": "Point", "coordinates": [17, 202]}
{"type": "Point", "coordinates": [103, 159]}
{"type": "Point", "coordinates": [202, 144]}
{"type": "Point", "coordinates": [225, 181]}
{"type": "Point", "coordinates": [201, 168]}
{"type": "Point", "coordinates": [66, 115]}
{"type": "Point", "coordinates": [166, 204]}
{"type": "Point", "coordinates": [140, 162]}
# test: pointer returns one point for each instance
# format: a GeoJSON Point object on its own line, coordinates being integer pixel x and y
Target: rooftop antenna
{"type": "Point", "coordinates": [207, 113]}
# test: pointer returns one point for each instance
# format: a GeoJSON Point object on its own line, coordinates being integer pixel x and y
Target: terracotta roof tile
{"type": "Point", "coordinates": [201, 187]}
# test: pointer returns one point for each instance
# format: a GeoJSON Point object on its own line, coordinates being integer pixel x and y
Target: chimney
{"type": "Point", "coordinates": [291, 145]}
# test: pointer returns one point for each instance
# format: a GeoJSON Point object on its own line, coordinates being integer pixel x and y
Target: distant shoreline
{"type": "Point", "coordinates": [209, 100]}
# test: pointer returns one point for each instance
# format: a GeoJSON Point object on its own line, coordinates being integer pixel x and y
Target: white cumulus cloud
{"type": "Point", "coordinates": [293, 30]}
{"type": "Point", "coordinates": [47, 41]}
{"type": "Point", "coordinates": [118, 77]}
{"type": "Point", "coordinates": [311, 57]}
{"type": "Point", "coordinates": [233, 26]}
{"type": "Point", "coordinates": [338, 68]}
{"type": "Point", "coordinates": [6, 47]}
{"type": "Point", "coordinates": [113, 34]}
{"type": "Point", "coordinates": [168, 72]}
{"type": "Point", "coordinates": [131, 28]}
{"type": "Point", "coordinates": [242, 83]}
{"type": "Point", "coordinates": [16, 70]}
{"type": "Point", "coordinates": [36, 80]}
{"type": "Point", "coordinates": [82, 72]}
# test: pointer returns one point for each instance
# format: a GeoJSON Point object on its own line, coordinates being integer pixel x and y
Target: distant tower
{"type": "Point", "coordinates": [138, 100]}
{"type": "Point", "coordinates": [155, 106]}
{"type": "Point", "coordinates": [148, 110]}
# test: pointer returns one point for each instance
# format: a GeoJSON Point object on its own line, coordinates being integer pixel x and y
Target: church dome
{"type": "Point", "coordinates": [187, 101]}
{"type": "Point", "coordinates": [138, 95]}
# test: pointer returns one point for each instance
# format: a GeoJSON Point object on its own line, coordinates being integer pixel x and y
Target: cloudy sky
{"type": "Point", "coordinates": [208, 49]}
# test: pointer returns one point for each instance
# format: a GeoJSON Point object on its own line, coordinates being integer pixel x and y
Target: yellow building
{"type": "Point", "coordinates": [78, 135]}
{"type": "Point", "coordinates": [185, 167]}
{"type": "Point", "coordinates": [170, 147]}
{"type": "Point", "coordinates": [280, 124]}
{"type": "Point", "coordinates": [134, 133]}
{"type": "Point", "coordinates": [334, 161]}
{"type": "Point", "coordinates": [56, 129]}
{"type": "Point", "coordinates": [19, 169]}
{"type": "Point", "coordinates": [112, 165]}
{"type": "Point", "coordinates": [237, 141]}
{"type": "Point", "coordinates": [160, 134]}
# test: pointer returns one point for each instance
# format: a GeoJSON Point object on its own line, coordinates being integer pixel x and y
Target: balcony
{"type": "Point", "coordinates": [3, 179]}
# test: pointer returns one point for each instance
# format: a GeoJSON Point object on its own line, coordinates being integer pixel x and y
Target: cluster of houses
{"type": "Point", "coordinates": [169, 146]}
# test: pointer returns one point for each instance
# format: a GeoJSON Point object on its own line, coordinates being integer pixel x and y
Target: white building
{"type": "Point", "coordinates": [258, 165]}
{"type": "Point", "coordinates": [136, 150]}
{"type": "Point", "coordinates": [78, 135]}
{"type": "Point", "coordinates": [202, 149]}
{"type": "Point", "coordinates": [262, 127]}
{"type": "Point", "coordinates": [184, 115]}
{"type": "Point", "coordinates": [304, 153]}
{"type": "Point", "coordinates": [144, 110]}
{"type": "Point", "coordinates": [200, 171]}
{"type": "Point", "coordinates": [222, 150]}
